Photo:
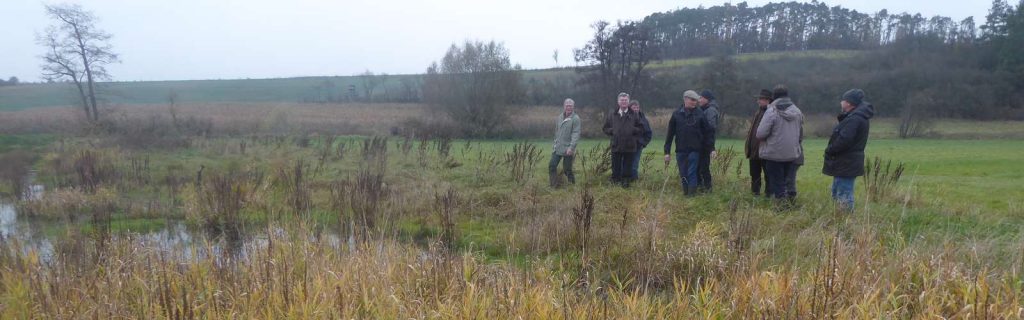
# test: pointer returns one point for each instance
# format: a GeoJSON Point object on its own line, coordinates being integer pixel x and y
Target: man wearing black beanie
{"type": "Point", "coordinates": [844, 156]}
{"type": "Point", "coordinates": [710, 108]}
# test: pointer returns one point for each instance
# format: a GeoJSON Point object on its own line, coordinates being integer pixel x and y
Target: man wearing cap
{"type": "Point", "coordinates": [692, 133]}
{"type": "Point", "coordinates": [710, 108]}
{"type": "Point", "coordinates": [779, 132]}
{"type": "Point", "coordinates": [753, 145]}
{"type": "Point", "coordinates": [844, 155]}
{"type": "Point", "coordinates": [625, 128]}
{"type": "Point", "coordinates": [567, 134]}
{"type": "Point", "coordinates": [645, 137]}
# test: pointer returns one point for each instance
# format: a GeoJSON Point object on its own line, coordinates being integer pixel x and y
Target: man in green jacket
{"type": "Point", "coordinates": [567, 134]}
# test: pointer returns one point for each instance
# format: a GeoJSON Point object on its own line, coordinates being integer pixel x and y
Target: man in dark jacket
{"type": "Point", "coordinates": [625, 128]}
{"type": "Point", "coordinates": [710, 108]}
{"type": "Point", "coordinates": [753, 145]}
{"type": "Point", "coordinates": [692, 133]}
{"type": "Point", "coordinates": [844, 156]}
{"type": "Point", "coordinates": [645, 137]}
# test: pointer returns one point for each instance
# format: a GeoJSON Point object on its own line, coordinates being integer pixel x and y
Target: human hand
{"type": "Point", "coordinates": [714, 154]}
{"type": "Point", "coordinates": [568, 152]}
{"type": "Point", "coordinates": [668, 159]}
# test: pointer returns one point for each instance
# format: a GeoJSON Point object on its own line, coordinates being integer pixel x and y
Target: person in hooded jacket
{"type": "Point", "coordinates": [709, 105]}
{"type": "Point", "coordinates": [779, 131]}
{"type": "Point", "coordinates": [645, 137]}
{"type": "Point", "coordinates": [844, 155]}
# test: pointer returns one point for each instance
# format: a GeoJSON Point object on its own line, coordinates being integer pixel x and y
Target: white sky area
{"type": "Point", "coordinates": [230, 39]}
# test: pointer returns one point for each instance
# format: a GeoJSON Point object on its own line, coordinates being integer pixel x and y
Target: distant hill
{"type": "Point", "coordinates": [390, 88]}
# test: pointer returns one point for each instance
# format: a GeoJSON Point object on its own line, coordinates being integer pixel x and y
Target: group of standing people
{"type": "Point", "coordinates": [773, 147]}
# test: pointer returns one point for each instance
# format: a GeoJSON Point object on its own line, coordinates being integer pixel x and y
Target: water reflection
{"type": "Point", "coordinates": [177, 239]}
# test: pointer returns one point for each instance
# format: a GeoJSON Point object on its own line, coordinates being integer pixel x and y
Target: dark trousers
{"type": "Point", "coordinates": [622, 167]}
{"type": "Point", "coordinates": [791, 181]}
{"type": "Point", "coordinates": [566, 167]}
{"type": "Point", "coordinates": [757, 170]}
{"type": "Point", "coordinates": [704, 171]}
{"type": "Point", "coordinates": [779, 174]}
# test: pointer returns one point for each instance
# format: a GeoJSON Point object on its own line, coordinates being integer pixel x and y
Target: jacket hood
{"type": "Point", "coordinates": [711, 104]}
{"type": "Point", "coordinates": [786, 109]}
{"type": "Point", "coordinates": [864, 110]}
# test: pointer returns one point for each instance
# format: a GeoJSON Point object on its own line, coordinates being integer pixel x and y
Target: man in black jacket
{"type": "Point", "coordinates": [645, 137]}
{"type": "Point", "coordinates": [625, 128]}
{"type": "Point", "coordinates": [844, 156]}
{"type": "Point", "coordinates": [692, 134]}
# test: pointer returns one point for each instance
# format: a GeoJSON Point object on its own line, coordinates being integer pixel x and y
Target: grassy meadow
{"type": "Point", "coordinates": [359, 225]}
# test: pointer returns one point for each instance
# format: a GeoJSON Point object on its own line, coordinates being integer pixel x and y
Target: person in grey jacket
{"type": "Point", "coordinates": [779, 132]}
{"type": "Point", "coordinates": [710, 108]}
{"type": "Point", "coordinates": [567, 134]}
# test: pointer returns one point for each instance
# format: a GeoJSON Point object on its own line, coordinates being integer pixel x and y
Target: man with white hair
{"type": "Point", "coordinates": [624, 128]}
{"type": "Point", "coordinates": [567, 134]}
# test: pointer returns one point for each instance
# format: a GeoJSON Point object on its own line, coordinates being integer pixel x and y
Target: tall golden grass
{"type": "Point", "coordinates": [290, 276]}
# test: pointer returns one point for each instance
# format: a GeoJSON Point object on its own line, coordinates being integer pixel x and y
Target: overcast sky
{"type": "Point", "coordinates": [227, 39]}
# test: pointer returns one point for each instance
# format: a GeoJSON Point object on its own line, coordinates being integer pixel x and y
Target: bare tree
{"type": "Point", "coordinates": [474, 84]}
{"type": "Point", "coordinates": [616, 59]}
{"type": "Point", "coordinates": [76, 51]}
{"type": "Point", "coordinates": [369, 82]}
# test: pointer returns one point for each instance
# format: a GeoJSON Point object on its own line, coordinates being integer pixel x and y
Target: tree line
{"type": "Point", "coordinates": [933, 66]}
{"type": "Point", "coordinates": [793, 26]}
{"type": "Point", "coordinates": [12, 81]}
{"type": "Point", "coordinates": [911, 66]}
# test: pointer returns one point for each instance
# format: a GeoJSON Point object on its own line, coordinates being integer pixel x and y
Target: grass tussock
{"type": "Point", "coordinates": [409, 235]}
{"type": "Point", "coordinates": [291, 278]}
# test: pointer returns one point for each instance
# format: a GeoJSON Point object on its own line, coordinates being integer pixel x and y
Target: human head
{"type": "Point", "coordinates": [851, 99]}
{"type": "Point", "coordinates": [690, 99]}
{"type": "Point", "coordinates": [623, 100]}
{"type": "Point", "coordinates": [764, 98]}
{"type": "Point", "coordinates": [780, 91]}
{"type": "Point", "coordinates": [568, 105]}
{"type": "Point", "coordinates": [706, 96]}
{"type": "Point", "coordinates": [634, 105]}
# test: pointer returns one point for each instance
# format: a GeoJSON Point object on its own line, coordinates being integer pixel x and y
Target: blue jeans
{"type": "Point", "coordinates": [842, 192]}
{"type": "Point", "coordinates": [636, 162]}
{"type": "Point", "coordinates": [687, 162]}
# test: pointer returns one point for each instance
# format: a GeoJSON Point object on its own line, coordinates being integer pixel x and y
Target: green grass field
{"type": "Point", "coordinates": [950, 230]}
